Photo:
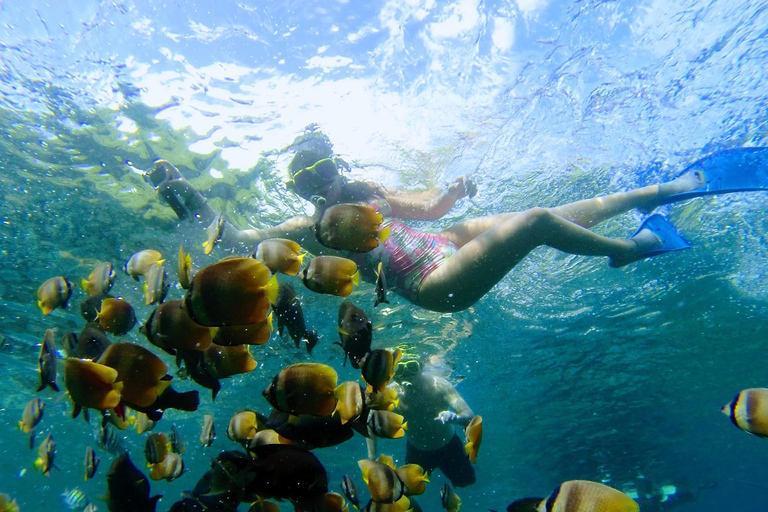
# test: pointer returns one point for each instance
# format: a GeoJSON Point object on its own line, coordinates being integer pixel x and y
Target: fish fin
{"type": "Point", "coordinates": [404, 426]}
{"type": "Point", "coordinates": [269, 322]}
{"type": "Point", "coordinates": [40, 387]}
{"type": "Point", "coordinates": [384, 234]}
{"type": "Point", "coordinates": [342, 331]}
{"type": "Point", "coordinates": [272, 288]}
{"type": "Point", "coordinates": [84, 284]}
{"type": "Point", "coordinates": [54, 386]}
{"type": "Point", "coordinates": [356, 278]}
{"type": "Point", "coordinates": [160, 262]}
{"type": "Point", "coordinates": [46, 309]}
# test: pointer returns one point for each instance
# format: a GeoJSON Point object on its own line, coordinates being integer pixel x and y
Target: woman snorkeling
{"type": "Point", "coordinates": [451, 270]}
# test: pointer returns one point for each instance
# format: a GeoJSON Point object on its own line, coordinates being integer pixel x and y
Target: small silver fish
{"type": "Point", "coordinates": [209, 432]}
{"type": "Point", "coordinates": [177, 445]}
{"type": "Point", "coordinates": [91, 463]}
{"type": "Point", "coordinates": [156, 284]}
{"type": "Point", "coordinates": [350, 491]}
{"type": "Point", "coordinates": [47, 362]}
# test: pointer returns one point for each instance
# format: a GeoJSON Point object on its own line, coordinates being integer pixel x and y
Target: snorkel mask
{"type": "Point", "coordinates": [308, 181]}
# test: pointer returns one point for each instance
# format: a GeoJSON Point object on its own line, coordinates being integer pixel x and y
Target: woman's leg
{"type": "Point", "coordinates": [586, 213]}
{"type": "Point", "coordinates": [480, 263]}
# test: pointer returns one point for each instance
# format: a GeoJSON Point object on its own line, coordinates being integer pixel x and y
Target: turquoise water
{"type": "Point", "coordinates": [580, 371]}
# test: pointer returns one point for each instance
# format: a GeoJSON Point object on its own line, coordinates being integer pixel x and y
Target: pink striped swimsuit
{"type": "Point", "coordinates": [408, 256]}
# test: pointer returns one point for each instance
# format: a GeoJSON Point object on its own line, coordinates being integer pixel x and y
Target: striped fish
{"type": "Point", "coordinates": [75, 499]}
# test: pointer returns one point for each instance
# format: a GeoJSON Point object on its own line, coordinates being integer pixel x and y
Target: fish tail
{"type": "Point", "coordinates": [85, 285]}
{"type": "Point", "coordinates": [384, 234]}
{"type": "Point", "coordinates": [404, 426]}
{"type": "Point", "coordinates": [272, 288]}
{"type": "Point", "coordinates": [356, 278]}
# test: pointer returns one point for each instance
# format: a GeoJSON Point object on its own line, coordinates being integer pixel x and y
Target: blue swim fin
{"type": "Point", "coordinates": [671, 240]}
{"type": "Point", "coordinates": [732, 170]}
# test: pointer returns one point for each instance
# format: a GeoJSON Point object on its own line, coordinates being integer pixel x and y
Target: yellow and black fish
{"type": "Point", "coordinates": [171, 468]}
{"type": "Point", "coordinates": [156, 284]}
{"type": "Point", "coordinates": [381, 286]}
{"type": "Point", "coordinates": [90, 307]}
{"type": "Point", "coordinates": [449, 499]}
{"type": "Point", "coordinates": [128, 488]}
{"type": "Point", "coordinates": [138, 370]}
{"type": "Point", "coordinates": [90, 344]}
{"type": "Point", "coordinates": [386, 424]}
{"type": "Point", "coordinates": [382, 481]}
{"type": "Point", "coordinates": [355, 333]}
{"type": "Point", "coordinates": [385, 400]}
{"type": "Point", "coordinates": [91, 385]}
{"type": "Point", "coordinates": [221, 362]}
{"type": "Point", "coordinates": [91, 463]}
{"type": "Point", "coordinates": [140, 263]}
{"type": "Point", "coordinates": [351, 227]}
{"type": "Point", "coordinates": [280, 255]}
{"type": "Point", "coordinates": [473, 435]}
{"type": "Point", "coordinates": [116, 316]}
{"type": "Point", "coordinates": [243, 426]}
{"type": "Point", "coordinates": [303, 388]}
{"type": "Point", "coordinates": [378, 367]}
{"type": "Point", "coordinates": [578, 496]}
{"type": "Point", "coordinates": [54, 293]}
{"type": "Point", "coordinates": [7, 504]}
{"type": "Point", "coordinates": [101, 279]}
{"type": "Point", "coordinates": [251, 334]}
{"type": "Point", "coordinates": [749, 411]}
{"type": "Point", "coordinates": [208, 435]}
{"type": "Point", "coordinates": [170, 328]}
{"type": "Point", "coordinates": [414, 477]}
{"type": "Point", "coordinates": [267, 436]}
{"type": "Point", "coordinates": [47, 362]}
{"type": "Point", "coordinates": [143, 423]}
{"type": "Point", "coordinates": [156, 448]}
{"type": "Point", "coordinates": [331, 275]}
{"type": "Point", "coordinates": [290, 314]}
{"type": "Point", "coordinates": [235, 291]}
{"type": "Point", "coordinates": [350, 401]}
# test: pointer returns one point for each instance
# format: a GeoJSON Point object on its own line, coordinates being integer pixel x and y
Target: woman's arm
{"type": "Point", "coordinates": [298, 229]}
{"type": "Point", "coordinates": [431, 205]}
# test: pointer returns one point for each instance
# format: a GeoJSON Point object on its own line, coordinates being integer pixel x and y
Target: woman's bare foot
{"type": "Point", "coordinates": [645, 241]}
{"type": "Point", "coordinates": [691, 180]}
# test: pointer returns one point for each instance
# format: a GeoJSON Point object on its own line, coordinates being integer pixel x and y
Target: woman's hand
{"type": "Point", "coordinates": [463, 187]}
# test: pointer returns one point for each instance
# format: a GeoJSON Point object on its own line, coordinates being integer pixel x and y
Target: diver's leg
{"type": "Point", "coordinates": [586, 213]}
{"type": "Point", "coordinates": [477, 266]}
{"type": "Point", "coordinates": [178, 193]}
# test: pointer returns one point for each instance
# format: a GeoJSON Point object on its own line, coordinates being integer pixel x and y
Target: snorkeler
{"type": "Point", "coordinates": [451, 270]}
{"type": "Point", "coordinates": [432, 407]}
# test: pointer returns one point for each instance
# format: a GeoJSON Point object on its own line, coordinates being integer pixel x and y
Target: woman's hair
{"type": "Point", "coordinates": [315, 146]}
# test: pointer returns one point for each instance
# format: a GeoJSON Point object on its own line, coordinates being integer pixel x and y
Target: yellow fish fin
{"type": "Point", "coordinates": [269, 321]}
{"type": "Point", "coordinates": [160, 262]}
{"type": "Point", "coordinates": [383, 235]}
{"type": "Point", "coordinates": [387, 460]}
{"type": "Point", "coordinates": [300, 258]}
{"type": "Point", "coordinates": [342, 331]}
{"type": "Point", "coordinates": [356, 278]}
{"type": "Point", "coordinates": [468, 447]}
{"type": "Point", "coordinates": [404, 426]}
{"type": "Point", "coordinates": [271, 288]}
{"type": "Point", "coordinates": [84, 284]}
